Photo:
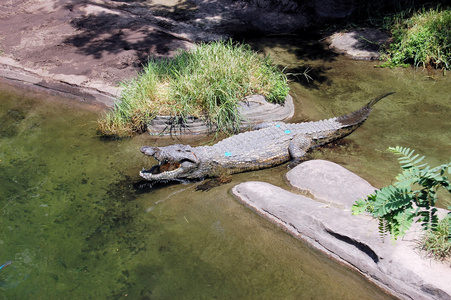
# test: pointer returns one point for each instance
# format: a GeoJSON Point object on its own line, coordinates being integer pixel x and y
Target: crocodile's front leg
{"type": "Point", "coordinates": [298, 148]}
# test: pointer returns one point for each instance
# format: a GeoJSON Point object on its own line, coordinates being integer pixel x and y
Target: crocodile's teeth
{"type": "Point", "coordinates": [161, 174]}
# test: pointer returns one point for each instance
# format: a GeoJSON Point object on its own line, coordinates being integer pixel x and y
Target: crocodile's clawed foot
{"type": "Point", "coordinates": [214, 182]}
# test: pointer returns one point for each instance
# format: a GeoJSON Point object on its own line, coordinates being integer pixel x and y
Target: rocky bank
{"type": "Point", "coordinates": [324, 220]}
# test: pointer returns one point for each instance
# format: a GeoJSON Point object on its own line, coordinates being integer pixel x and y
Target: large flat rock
{"type": "Point", "coordinates": [79, 49]}
{"type": "Point", "coordinates": [354, 240]}
{"type": "Point", "coordinates": [325, 182]}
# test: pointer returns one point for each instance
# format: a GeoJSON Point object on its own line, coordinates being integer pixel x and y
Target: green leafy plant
{"type": "Point", "coordinates": [411, 198]}
{"type": "Point", "coordinates": [206, 82]}
{"type": "Point", "coordinates": [422, 39]}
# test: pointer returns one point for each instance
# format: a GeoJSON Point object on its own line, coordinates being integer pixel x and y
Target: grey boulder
{"type": "Point", "coordinates": [325, 221]}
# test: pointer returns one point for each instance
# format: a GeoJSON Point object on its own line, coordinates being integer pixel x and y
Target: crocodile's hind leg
{"type": "Point", "coordinates": [298, 148]}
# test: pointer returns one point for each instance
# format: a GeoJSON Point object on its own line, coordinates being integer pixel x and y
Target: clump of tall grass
{"type": "Point", "coordinates": [423, 39]}
{"type": "Point", "coordinates": [206, 82]}
{"type": "Point", "coordinates": [437, 243]}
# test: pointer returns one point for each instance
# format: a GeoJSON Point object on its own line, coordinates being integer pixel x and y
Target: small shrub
{"type": "Point", "coordinates": [411, 198]}
{"type": "Point", "coordinates": [206, 82]}
{"type": "Point", "coordinates": [424, 39]}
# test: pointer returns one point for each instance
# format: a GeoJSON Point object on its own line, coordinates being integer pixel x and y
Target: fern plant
{"type": "Point", "coordinates": [412, 197]}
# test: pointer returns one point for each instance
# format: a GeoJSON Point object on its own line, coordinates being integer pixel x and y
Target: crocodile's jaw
{"type": "Point", "coordinates": [174, 162]}
{"type": "Point", "coordinates": [175, 171]}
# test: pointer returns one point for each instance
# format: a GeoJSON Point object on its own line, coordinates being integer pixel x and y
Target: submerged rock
{"type": "Point", "coordinates": [329, 226]}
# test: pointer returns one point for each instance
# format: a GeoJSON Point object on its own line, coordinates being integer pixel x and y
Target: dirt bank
{"type": "Point", "coordinates": [80, 49]}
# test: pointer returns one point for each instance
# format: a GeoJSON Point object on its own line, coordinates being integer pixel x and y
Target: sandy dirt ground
{"type": "Point", "coordinates": [83, 48]}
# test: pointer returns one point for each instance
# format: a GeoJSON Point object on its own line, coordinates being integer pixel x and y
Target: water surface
{"type": "Point", "coordinates": [77, 222]}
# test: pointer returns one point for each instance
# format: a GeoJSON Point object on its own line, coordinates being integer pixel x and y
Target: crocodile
{"type": "Point", "coordinates": [268, 145]}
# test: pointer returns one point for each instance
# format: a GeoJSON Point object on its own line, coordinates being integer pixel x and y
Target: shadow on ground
{"type": "Point", "coordinates": [126, 28]}
{"type": "Point", "coordinates": [310, 53]}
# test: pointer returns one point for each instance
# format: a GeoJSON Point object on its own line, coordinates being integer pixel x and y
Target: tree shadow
{"type": "Point", "coordinates": [306, 56]}
{"type": "Point", "coordinates": [108, 33]}
{"type": "Point", "coordinates": [142, 28]}
{"type": "Point", "coordinates": [122, 28]}
{"type": "Point", "coordinates": [369, 40]}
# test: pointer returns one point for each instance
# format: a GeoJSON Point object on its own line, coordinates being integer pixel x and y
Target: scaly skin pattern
{"type": "Point", "coordinates": [270, 144]}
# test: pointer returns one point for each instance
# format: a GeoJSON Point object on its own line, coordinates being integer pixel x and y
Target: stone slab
{"type": "Point", "coordinates": [62, 85]}
{"type": "Point", "coordinates": [343, 186]}
{"type": "Point", "coordinates": [254, 109]}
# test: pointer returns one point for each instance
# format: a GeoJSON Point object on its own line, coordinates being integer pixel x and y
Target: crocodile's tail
{"type": "Point", "coordinates": [377, 99]}
{"type": "Point", "coordinates": [359, 116]}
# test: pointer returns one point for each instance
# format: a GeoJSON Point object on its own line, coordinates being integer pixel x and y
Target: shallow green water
{"type": "Point", "coordinates": [77, 223]}
{"type": "Point", "coordinates": [417, 116]}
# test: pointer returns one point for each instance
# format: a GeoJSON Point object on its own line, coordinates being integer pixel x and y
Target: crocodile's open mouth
{"type": "Point", "coordinates": [164, 170]}
{"type": "Point", "coordinates": [163, 167]}
{"type": "Point", "coordinates": [174, 162]}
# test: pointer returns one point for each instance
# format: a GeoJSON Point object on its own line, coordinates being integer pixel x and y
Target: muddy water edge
{"type": "Point", "coordinates": [76, 220]}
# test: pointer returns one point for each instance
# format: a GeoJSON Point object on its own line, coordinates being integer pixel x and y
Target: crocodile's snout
{"type": "Point", "coordinates": [147, 150]}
